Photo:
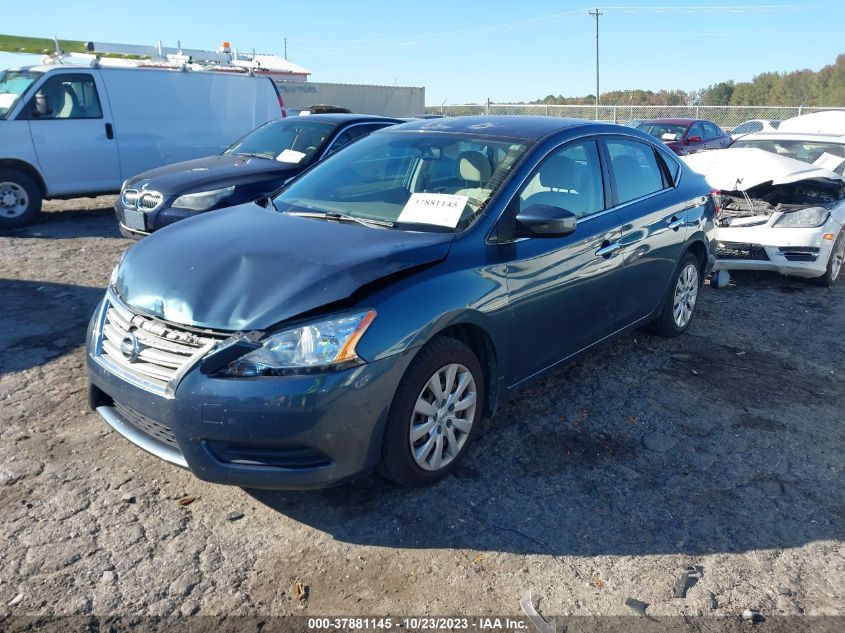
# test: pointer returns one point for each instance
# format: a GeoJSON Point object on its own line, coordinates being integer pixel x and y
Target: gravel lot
{"type": "Point", "coordinates": [722, 449]}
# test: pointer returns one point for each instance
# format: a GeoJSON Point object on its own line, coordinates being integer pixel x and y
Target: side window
{"type": "Point", "coordinates": [635, 169]}
{"type": "Point", "coordinates": [672, 165]}
{"type": "Point", "coordinates": [697, 129]}
{"type": "Point", "coordinates": [570, 179]}
{"type": "Point", "coordinates": [711, 131]}
{"type": "Point", "coordinates": [353, 133]}
{"type": "Point", "coordinates": [67, 97]}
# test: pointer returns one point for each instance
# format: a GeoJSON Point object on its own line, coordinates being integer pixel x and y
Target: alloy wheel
{"type": "Point", "coordinates": [686, 293]}
{"type": "Point", "coordinates": [443, 416]}
{"type": "Point", "coordinates": [837, 258]}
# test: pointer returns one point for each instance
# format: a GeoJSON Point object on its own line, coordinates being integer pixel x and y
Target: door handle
{"type": "Point", "coordinates": [675, 223]}
{"type": "Point", "coordinates": [607, 249]}
{"type": "Point", "coordinates": [109, 131]}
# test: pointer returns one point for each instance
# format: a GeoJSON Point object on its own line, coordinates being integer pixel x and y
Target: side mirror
{"type": "Point", "coordinates": [42, 105]}
{"type": "Point", "coordinates": [693, 139]}
{"type": "Point", "coordinates": [544, 220]}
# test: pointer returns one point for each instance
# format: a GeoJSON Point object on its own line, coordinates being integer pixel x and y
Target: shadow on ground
{"type": "Point", "coordinates": [42, 320]}
{"type": "Point", "coordinates": [70, 224]}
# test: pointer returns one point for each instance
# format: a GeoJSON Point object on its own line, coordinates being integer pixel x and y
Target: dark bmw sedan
{"type": "Point", "coordinates": [374, 312]}
{"type": "Point", "coordinates": [256, 165]}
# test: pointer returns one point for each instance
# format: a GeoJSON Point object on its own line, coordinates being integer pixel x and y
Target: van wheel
{"type": "Point", "coordinates": [20, 199]}
{"type": "Point", "coordinates": [679, 304]}
{"type": "Point", "coordinates": [434, 414]}
{"type": "Point", "coordinates": [834, 264]}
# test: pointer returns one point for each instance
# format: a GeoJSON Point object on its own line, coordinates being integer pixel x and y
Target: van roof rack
{"type": "Point", "coordinates": [224, 59]}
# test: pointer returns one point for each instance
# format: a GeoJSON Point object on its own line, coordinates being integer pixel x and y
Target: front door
{"type": "Point", "coordinates": [73, 134]}
{"type": "Point", "coordinates": [562, 290]}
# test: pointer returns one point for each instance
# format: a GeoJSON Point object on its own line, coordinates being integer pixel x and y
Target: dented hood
{"type": "Point", "coordinates": [741, 168]}
{"type": "Point", "coordinates": [248, 267]}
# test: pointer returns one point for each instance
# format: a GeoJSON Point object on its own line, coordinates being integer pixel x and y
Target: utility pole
{"type": "Point", "coordinates": [596, 15]}
{"type": "Point", "coordinates": [286, 48]}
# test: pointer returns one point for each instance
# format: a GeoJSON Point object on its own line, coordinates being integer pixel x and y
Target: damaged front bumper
{"type": "Point", "coordinates": [800, 252]}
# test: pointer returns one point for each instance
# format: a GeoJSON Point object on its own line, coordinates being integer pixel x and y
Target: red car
{"type": "Point", "coordinates": [687, 136]}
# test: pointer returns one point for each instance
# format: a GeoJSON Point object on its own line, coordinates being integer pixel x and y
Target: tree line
{"type": "Point", "coordinates": [825, 87]}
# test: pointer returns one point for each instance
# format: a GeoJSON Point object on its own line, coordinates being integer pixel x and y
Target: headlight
{"type": "Point", "coordinates": [320, 345]}
{"type": "Point", "coordinates": [202, 200]}
{"type": "Point", "coordinates": [805, 218]}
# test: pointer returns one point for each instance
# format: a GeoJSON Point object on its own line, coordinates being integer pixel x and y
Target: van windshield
{"type": "Point", "coordinates": [13, 84]}
{"type": "Point", "coordinates": [289, 140]}
{"type": "Point", "coordinates": [418, 181]}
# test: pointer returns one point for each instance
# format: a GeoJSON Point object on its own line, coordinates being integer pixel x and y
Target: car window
{"type": "Point", "coordinates": [354, 132]}
{"type": "Point", "coordinates": [748, 127]}
{"type": "Point", "coordinates": [697, 129]}
{"type": "Point", "coordinates": [570, 179]}
{"type": "Point", "coordinates": [290, 140]}
{"type": "Point", "coordinates": [635, 169]}
{"type": "Point", "coordinates": [711, 131]}
{"type": "Point", "coordinates": [663, 131]}
{"type": "Point", "coordinates": [67, 96]}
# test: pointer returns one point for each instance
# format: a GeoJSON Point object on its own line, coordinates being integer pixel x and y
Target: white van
{"type": "Point", "coordinates": [69, 131]}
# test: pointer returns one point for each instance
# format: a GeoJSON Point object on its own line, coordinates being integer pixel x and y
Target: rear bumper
{"type": "Point", "coordinates": [292, 432]}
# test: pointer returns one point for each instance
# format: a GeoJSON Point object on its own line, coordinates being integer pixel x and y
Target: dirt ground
{"type": "Point", "coordinates": [722, 449]}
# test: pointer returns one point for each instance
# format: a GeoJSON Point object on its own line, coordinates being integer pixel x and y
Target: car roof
{"type": "Point", "coordinates": [527, 127]}
{"type": "Point", "coordinates": [345, 117]}
{"type": "Point", "coordinates": [672, 120]}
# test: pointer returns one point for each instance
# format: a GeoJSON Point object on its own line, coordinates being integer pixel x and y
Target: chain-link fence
{"type": "Point", "coordinates": [724, 116]}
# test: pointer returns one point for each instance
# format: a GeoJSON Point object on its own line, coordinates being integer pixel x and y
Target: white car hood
{"type": "Point", "coordinates": [827, 122]}
{"type": "Point", "coordinates": [741, 168]}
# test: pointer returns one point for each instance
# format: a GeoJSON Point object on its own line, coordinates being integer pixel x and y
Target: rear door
{"type": "Point", "coordinates": [562, 290]}
{"type": "Point", "coordinates": [71, 127]}
{"type": "Point", "coordinates": [653, 221]}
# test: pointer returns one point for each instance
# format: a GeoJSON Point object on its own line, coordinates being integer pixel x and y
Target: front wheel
{"type": "Point", "coordinates": [20, 199]}
{"type": "Point", "coordinates": [834, 263]}
{"type": "Point", "coordinates": [679, 305]}
{"type": "Point", "coordinates": [434, 414]}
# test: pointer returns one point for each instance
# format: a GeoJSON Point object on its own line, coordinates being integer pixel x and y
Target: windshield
{"type": "Point", "coordinates": [824, 154]}
{"type": "Point", "coordinates": [658, 130]}
{"type": "Point", "coordinates": [288, 140]}
{"type": "Point", "coordinates": [13, 83]}
{"type": "Point", "coordinates": [432, 181]}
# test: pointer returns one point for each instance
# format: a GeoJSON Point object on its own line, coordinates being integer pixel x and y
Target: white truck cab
{"type": "Point", "coordinates": [69, 131]}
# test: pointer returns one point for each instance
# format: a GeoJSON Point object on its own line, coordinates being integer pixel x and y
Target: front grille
{"type": "Point", "coordinates": [148, 426]}
{"type": "Point", "coordinates": [142, 200]}
{"type": "Point", "coordinates": [741, 250]}
{"type": "Point", "coordinates": [148, 352]}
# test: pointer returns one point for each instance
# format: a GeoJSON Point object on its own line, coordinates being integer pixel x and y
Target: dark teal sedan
{"type": "Point", "coordinates": [371, 314]}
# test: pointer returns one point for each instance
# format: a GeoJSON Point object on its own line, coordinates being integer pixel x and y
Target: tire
{"type": "Point", "coordinates": [686, 282]}
{"type": "Point", "coordinates": [834, 262]}
{"type": "Point", "coordinates": [20, 199]}
{"type": "Point", "coordinates": [398, 463]}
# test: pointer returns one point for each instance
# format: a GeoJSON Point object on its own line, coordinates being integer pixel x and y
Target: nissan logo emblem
{"type": "Point", "coordinates": [130, 348]}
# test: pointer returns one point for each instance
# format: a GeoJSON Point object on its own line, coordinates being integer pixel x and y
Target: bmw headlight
{"type": "Point", "coordinates": [202, 200]}
{"type": "Point", "coordinates": [805, 218]}
{"type": "Point", "coordinates": [326, 344]}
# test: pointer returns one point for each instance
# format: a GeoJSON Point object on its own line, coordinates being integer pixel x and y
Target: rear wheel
{"type": "Point", "coordinates": [434, 414]}
{"type": "Point", "coordinates": [834, 263]}
{"type": "Point", "coordinates": [20, 199]}
{"type": "Point", "coordinates": [679, 304]}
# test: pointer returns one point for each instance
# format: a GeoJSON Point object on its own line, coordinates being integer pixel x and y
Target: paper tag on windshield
{"type": "Point", "coordinates": [290, 156]}
{"type": "Point", "coordinates": [829, 161]}
{"type": "Point", "coordinates": [442, 209]}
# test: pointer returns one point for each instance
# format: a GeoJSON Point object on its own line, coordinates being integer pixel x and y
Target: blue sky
{"type": "Point", "coordinates": [465, 51]}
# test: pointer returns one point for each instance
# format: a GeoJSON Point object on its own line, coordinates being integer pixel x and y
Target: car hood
{"type": "Point", "coordinates": [743, 168]}
{"type": "Point", "coordinates": [206, 173]}
{"type": "Point", "coordinates": [249, 268]}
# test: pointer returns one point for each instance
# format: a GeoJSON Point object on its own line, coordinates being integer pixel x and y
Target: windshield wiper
{"type": "Point", "coordinates": [342, 217]}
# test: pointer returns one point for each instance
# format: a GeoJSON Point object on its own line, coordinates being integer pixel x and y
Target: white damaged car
{"type": "Point", "coordinates": [776, 213]}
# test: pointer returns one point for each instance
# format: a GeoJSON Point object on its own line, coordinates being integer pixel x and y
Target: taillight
{"type": "Point", "coordinates": [716, 196]}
